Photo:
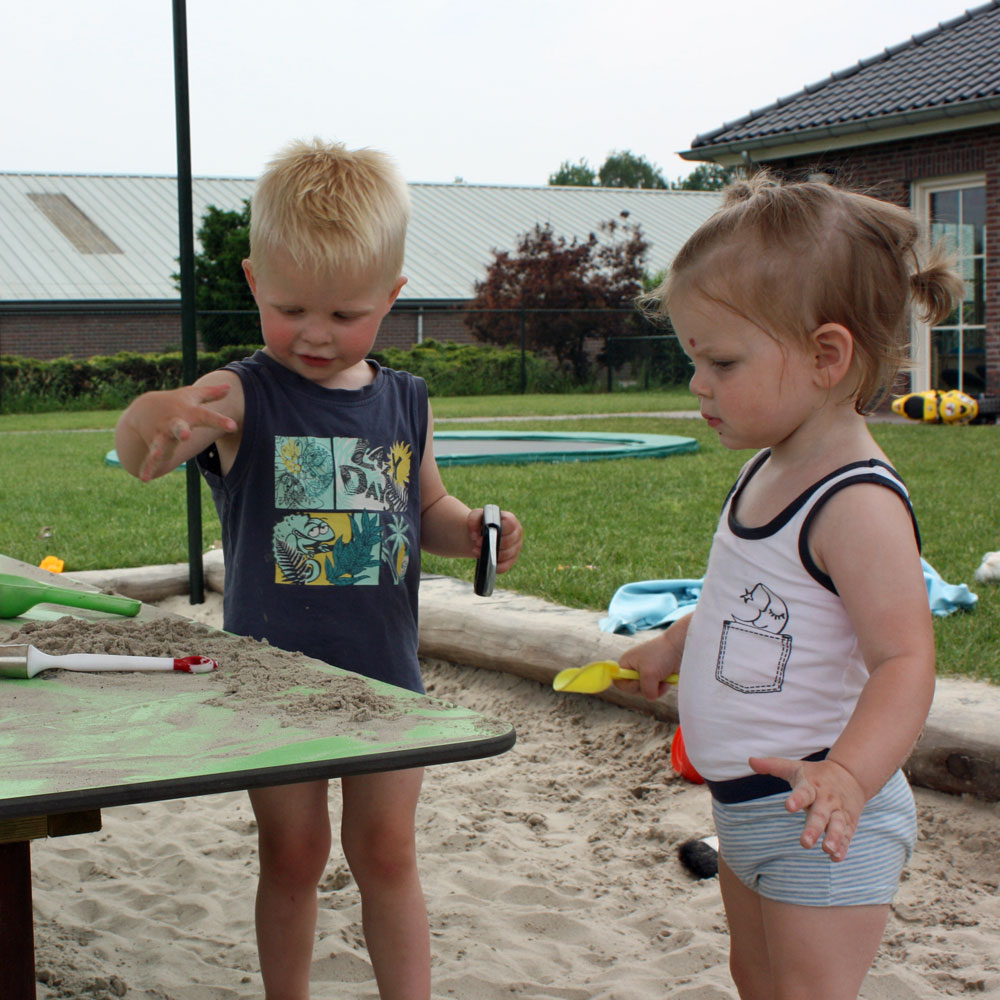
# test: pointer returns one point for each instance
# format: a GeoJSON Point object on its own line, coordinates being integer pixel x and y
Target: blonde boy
{"type": "Point", "coordinates": [323, 473]}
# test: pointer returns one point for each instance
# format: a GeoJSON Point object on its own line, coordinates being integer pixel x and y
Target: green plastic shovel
{"type": "Point", "coordinates": [18, 594]}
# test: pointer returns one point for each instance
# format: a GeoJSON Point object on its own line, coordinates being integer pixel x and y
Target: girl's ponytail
{"type": "Point", "coordinates": [935, 287]}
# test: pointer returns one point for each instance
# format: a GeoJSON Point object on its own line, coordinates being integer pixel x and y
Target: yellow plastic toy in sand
{"type": "Point", "coordinates": [595, 677]}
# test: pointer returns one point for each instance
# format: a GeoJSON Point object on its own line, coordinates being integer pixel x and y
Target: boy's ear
{"type": "Point", "coordinates": [396, 289]}
{"type": "Point", "coordinates": [833, 352]}
{"type": "Point", "coordinates": [248, 271]}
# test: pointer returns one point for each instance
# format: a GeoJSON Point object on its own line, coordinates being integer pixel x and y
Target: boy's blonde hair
{"type": "Point", "coordinates": [331, 209]}
{"type": "Point", "coordinates": [791, 257]}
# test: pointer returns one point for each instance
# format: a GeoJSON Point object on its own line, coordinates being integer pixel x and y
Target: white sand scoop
{"type": "Point", "coordinates": [20, 660]}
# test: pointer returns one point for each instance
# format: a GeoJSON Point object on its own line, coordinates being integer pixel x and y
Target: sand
{"type": "Point", "coordinates": [250, 676]}
{"type": "Point", "coordinates": [550, 872]}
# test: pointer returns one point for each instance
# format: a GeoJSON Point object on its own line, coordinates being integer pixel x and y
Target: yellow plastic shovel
{"type": "Point", "coordinates": [594, 677]}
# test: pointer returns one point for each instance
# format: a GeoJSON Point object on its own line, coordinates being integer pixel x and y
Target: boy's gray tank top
{"type": "Point", "coordinates": [321, 518]}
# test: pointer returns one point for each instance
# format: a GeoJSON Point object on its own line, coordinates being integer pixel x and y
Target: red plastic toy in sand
{"type": "Point", "coordinates": [679, 760]}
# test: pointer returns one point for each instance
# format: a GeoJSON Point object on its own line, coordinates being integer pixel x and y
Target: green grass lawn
{"type": "Point", "coordinates": [590, 526]}
{"type": "Point", "coordinates": [449, 409]}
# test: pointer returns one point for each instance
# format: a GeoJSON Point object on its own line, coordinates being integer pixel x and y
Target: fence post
{"type": "Point", "coordinates": [524, 350]}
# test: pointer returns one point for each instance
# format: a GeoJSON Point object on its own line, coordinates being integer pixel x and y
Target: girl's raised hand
{"type": "Point", "coordinates": [830, 795]}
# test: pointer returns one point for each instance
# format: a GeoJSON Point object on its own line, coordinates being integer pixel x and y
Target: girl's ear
{"type": "Point", "coordinates": [832, 349]}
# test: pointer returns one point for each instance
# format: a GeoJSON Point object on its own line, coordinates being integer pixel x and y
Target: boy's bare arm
{"type": "Point", "coordinates": [449, 528]}
{"type": "Point", "coordinates": [161, 430]}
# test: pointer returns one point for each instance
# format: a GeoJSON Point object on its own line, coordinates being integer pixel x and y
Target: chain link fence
{"type": "Point", "coordinates": [613, 349]}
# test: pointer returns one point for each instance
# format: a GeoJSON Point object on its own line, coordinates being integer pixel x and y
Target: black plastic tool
{"type": "Point", "coordinates": [486, 566]}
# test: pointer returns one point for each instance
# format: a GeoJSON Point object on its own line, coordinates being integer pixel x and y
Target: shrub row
{"type": "Point", "coordinates": [31, 385]}
{"type": "Point", "coordinates": [452, 369]}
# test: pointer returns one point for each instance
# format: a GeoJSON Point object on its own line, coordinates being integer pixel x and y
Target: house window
{"type": "Point", "coordinates": [955, 350]}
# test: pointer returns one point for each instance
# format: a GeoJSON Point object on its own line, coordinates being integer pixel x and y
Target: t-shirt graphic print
{"type": "Point", "coordinates": [340, 506]}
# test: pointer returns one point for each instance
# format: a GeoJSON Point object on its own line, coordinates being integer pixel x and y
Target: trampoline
{"type": "Point", "coordinates": [518, 447]}
{"type": "Point", "coordinates": [513, 447]}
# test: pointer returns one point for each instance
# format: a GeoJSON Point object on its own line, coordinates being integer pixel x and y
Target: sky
{"type": "Point", "coordinates": [491, 93]}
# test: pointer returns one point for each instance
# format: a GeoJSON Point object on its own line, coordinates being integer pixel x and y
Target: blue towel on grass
{"type": "Point", "coordinates": [946, 597]}
{"type": "Point", "coordinates": [650, 604]}
{"type": "Point", "coordinates": [657, 603]}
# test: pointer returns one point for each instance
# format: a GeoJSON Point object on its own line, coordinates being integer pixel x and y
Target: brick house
{"type": "Point", "coordinates": [86, 262]}
{"type": "Point", "coordinates": [918, 125]}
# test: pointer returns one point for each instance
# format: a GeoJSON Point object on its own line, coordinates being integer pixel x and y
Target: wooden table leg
{"type": "Point", "coordinates": [17, 925]}
{"type": "Point", "coordinates": [17, 936]}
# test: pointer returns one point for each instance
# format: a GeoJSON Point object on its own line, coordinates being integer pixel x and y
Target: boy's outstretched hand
{"type": "Point", "coordinates": [163, 421]}
{"type": "Point", "coordinates": [831, 796]}
{"type": "Point", "coordinates": [511, 537]}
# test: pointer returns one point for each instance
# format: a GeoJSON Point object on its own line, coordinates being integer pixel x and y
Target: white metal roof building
{"type": "Point", "coordinates": [95, 238]}
{"type": "Point", "coordinates": [86, 261]}
{"type": "Point", "coordinates": [76, 238]}
{"type": "Point", "coordinates": [456, 227]}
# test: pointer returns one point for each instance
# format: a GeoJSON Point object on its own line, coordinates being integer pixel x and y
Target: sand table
{"type": "Point", "coordinates": [265, 716]}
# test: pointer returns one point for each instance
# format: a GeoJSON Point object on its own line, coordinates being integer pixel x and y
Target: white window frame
{"type": "Point", "coordinates": [920, 203]}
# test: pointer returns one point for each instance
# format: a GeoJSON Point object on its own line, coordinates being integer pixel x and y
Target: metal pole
{"type": "Point", "coordinates": [189, 336]}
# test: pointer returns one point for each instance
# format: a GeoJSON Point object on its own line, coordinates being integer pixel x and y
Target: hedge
{"type": "Point", "coordinates": [452, 369]}
{"type": "Point", "coordinates": [109, 382]}
{"type": "Point", "coordinates": [29, 384]}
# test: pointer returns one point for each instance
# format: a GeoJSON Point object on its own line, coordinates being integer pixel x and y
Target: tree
{"type": "Point", "coordinates": [706, 177]}
{"type": "Point", "coordinates": [579, 174]}
{"type": "Point", "coordinates": [220, 285]}
{"type": "Point", "coordinates": [619, 170]}
{"type": "Point", "coordinates": [561, 293]}
{"type": "Point", "coordinates": [626, 170]}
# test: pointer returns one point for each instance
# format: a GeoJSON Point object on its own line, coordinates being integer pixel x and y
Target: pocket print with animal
{"type": "Point", "coordinates": [755, 647]}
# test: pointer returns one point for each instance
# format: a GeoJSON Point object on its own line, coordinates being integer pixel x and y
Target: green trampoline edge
{"type": "Point", "coordinates": [619, 445]}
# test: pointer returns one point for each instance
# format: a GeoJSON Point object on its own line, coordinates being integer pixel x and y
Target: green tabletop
{"type": "Point", "coordinates": [73, 742]}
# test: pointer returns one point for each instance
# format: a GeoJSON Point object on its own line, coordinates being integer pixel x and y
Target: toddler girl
{"type": "Point", "coordinates": [809, 660]}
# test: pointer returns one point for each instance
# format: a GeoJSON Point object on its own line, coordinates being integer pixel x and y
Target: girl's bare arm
{"type": "Point", "coordinates": [864, 540]}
